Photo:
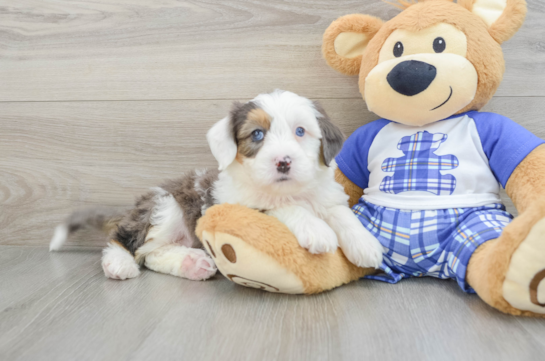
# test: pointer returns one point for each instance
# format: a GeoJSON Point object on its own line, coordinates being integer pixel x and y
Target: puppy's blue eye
{"type": "Point", "coordinates": [300, 132]}
{"type": "Point", "coordinates": [257, 135]}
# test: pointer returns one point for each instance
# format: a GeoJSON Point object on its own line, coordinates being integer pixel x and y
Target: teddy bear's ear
{"type": "Point", "coordinates": [503, 17]}
{"type": "Point", "coordinates": [346, 39]}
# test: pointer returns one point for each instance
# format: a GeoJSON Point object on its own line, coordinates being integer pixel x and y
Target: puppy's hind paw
{"type": "Point", "coordinates": [118, 263]}
{"type": "Point", "coordinates": [119, 271]}
{"type": "Point", "coordinates": [197, 266]}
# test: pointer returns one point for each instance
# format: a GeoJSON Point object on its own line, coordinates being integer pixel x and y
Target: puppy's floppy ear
{"type": "Point", "coordinates": [503, 17]}
{"type": "Point", "coordinates": [332, 136]}
{"type": "Point", "coordinates": [346, 39]}
{"type": "Point", "coordinates": [221, 139]}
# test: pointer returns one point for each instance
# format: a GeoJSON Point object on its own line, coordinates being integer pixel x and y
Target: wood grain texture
{"type": "Point", "coordinates": [140, 50]}
{"type": "Point", "coordinates": [60, 156]}
{"type": "Point", "coordinates": [59, 306]}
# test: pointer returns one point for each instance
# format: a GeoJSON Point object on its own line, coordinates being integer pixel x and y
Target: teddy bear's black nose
{"type": "Point", "coordinates": [411, 77]}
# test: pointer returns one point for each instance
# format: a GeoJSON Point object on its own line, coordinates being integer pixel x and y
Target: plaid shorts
{"type": "Point", "coordinates": [436, 243]}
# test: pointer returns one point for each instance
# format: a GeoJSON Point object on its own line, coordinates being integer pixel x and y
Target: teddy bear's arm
{"type": "Point", "coordinates": [526, 186]}
{"type": "Point", "coordinates": [353, 191]}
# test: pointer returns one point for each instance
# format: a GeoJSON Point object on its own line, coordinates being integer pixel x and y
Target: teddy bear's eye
{"type": "Point", "coordinates": [398, 49]}
{"type": "Point", "coordinates": [439, 45]}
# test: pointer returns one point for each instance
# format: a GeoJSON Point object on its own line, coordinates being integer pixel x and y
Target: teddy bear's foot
{"type": "Point", "coordinates": [257, 250]}
{"type": "Point", "coordinates": [524, 285]}
{"type": "Point", "coordinates": [245, 265]}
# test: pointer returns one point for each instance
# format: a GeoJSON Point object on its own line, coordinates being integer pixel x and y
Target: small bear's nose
{"type": "Point", "coordinates": [283, 166]}
{"type": "Point", "coordinates": [411, 77]}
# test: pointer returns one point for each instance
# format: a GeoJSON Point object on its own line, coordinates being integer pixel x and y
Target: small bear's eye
{"type": "Point", "coordinates": [300, 132]}
{"type": "Point", "coordinates": [398, 49]}
{"type": "Point", "coordinates": [439, 45]}
{"type": "Point", "coordinates": [257, 135]}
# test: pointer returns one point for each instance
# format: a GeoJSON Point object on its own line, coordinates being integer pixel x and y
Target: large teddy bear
{"type": "Point", "coordinates": [425, 179]}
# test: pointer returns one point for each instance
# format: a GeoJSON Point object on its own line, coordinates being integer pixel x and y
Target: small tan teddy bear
{"type": "Point", "coordinates": [425, 178]}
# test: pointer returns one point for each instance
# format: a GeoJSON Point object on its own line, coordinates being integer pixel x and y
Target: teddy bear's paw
{"type": "Point", "coordinates": [248, 266]}
{"type": "Point", "coordinates": [361, 248]}
{"type": "Point", "coordinates": [524, 285]}
{"type": "Point", "coordinates": [316, 235]}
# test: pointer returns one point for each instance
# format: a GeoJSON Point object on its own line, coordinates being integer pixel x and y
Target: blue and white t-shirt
{"type": "Point", "coordinates": [454, 163]}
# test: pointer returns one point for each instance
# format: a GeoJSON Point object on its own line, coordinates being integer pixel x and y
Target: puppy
{"type": "Point", "coordinates": [275, 154]}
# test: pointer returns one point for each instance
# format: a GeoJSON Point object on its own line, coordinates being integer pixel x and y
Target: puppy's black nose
{"type": "Point", "coordinates": [411, 77]}
{"type": "Point", "coordinates": [283, 166]}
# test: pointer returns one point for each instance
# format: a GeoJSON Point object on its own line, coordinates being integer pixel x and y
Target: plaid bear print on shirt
{"type": "Point", "coordinates": [419, 169]}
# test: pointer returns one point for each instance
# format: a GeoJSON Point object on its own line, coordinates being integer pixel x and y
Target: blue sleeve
{"type": "Point", "coordinates": [353, 158]}
{"type": "Point", "coordinates": [505, 143]}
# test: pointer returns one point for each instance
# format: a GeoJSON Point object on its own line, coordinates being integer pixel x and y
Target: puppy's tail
{"type": "Point", "coordinates": [99, 218]}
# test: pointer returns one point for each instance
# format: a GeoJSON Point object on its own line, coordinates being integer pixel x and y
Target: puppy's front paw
{"type": "Point", "coordinates": [315, 235]}
{"type": "Point", "coordinates": [361, 248]}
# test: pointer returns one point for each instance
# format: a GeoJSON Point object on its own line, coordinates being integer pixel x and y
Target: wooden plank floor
{"type": "Point", "coordinates": [61, 307]}
{"type": "Point", "coordinates": [101, 99]}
